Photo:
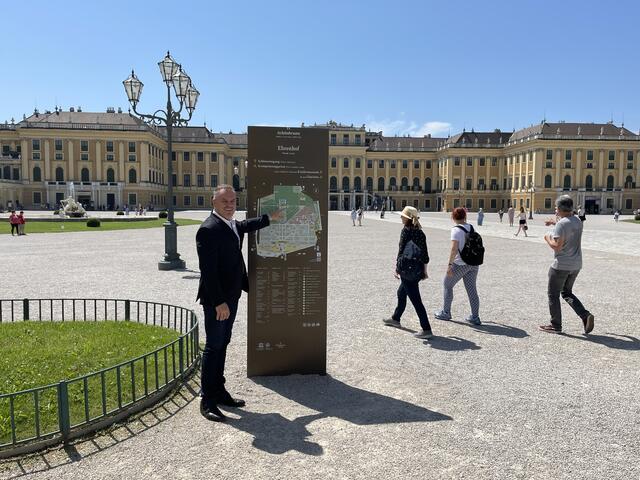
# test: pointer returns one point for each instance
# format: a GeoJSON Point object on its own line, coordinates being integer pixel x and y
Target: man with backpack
{"type": "Point", "coordinates": [465, 258]}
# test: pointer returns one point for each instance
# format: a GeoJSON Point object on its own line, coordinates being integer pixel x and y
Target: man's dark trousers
{"type": "Point", "coordinates": [561, 283]}
{"type": "Point", "coordinates": [215, 352]}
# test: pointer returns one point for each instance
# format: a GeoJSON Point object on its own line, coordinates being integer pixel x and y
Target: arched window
{"type": "Point", "coordinates": [345, 184]}
{"type": "Point", "coordinates": [357, 184]}
{"type": "Point", "coordinates": [333, 184]}
{"type": "Point", "coordinates": [6, 172]}
{"type": "Point", "coordinates": [381, 184]}
{"type": "Point", "coordinates": [111, 176]}
{"type": "Point", "coordinates": [628, 183]}
{"type": "Point", "coordinates": [610, 182]}
{"type": "Point", "coordinates": [427, 185]}
{"type": "Point", "coordinates": [133, 176]}
{"type": "Point", "coordinates": [547, 181]}
{"type": "Point", "coordinates": [37, 176]}
{"type": "Point", "coordinates": [84, 175]}
{"type": "Point", "coordinates": [405, 183]}
{"type": "Point", "coordinates": [369, 184]}
{"type": "Point", "coordinates": [392, 183]}
{"type": "Point", "coordinates": [566, 185]}
{"type": "Point", "coordinates": [59, 174]}
{"type": "Point", "coordinates": [588, 182]}
{"type": "Point", "coordinates": [236, 183]}
{"type": "Point", "coordinates": [416, 184]}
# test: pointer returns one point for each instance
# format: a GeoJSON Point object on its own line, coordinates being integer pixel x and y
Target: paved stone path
{"type": "Point", "coordinates": [500, 401]}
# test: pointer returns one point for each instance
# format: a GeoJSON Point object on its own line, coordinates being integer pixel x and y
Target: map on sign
{"type": "Point", "coordinates": [298, 228]}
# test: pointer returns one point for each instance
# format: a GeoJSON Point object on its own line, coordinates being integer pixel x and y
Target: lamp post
{"type": "Point", "coordinates": [532, 190]}
{"type": "Point", "coordinates": [246, 183]}
{"type": "Point", "coordinates": [187, 95]}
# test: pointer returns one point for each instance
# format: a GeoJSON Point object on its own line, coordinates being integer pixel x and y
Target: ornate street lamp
{"type": "Point", "coordinates": [187, 95]}
{"type": "Point", "coordinates": [532, 190]}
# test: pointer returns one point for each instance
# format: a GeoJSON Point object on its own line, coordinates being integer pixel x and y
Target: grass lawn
{"type": "Point", "coordinates": [631, 221]}
{"type": "Point", "coordinates": [62, 226]}
{"type": "Point", "coordinates": [41, 353]}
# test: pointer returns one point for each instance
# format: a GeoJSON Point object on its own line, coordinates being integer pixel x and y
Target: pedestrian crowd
{"type": "Point", "coordinates": [466, 256]}
{"type": "Point", "coordinates": [17, 222]}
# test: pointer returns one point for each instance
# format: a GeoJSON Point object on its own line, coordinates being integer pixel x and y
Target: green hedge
{"type": "Point", "coordinates": [93, 222]}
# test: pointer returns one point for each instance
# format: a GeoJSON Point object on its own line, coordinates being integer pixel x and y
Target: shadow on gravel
{"type": "Point", "coordinates": [493, 328]}
{"type": "Point", "coordinates": [612, 340]}
{"type": "Point", "coordinates": [276, 434]}
{"type": "Point", "coordinates": [82, 448]}
{"type": "Point", "coordinates": [451, 344]}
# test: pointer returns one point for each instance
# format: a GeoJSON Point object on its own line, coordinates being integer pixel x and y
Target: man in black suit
{"type": "Point", "coordinates": [223, 276]}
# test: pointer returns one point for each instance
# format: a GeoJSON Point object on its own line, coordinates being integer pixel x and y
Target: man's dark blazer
{"type": "Point", "coordinates": [223, 274]}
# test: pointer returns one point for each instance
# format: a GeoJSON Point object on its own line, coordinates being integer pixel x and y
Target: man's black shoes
{"type": "Point", "coordinates": [211, 412]}
{"type": "Point", "coordinates": [229, 401]}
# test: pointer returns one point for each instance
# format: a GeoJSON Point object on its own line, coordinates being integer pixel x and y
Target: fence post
{"type": "Point", "coordinates": [127, 310]}
{"type": "Point", "coordinates": [63, 411]}
{"type": "Point", "coordinates": [25, 309]}
{"type": "Point", "coordinates": [181, 354]}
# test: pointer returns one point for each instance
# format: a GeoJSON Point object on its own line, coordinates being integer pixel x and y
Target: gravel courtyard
{"type": "Point", "coordinates": [498, 401]}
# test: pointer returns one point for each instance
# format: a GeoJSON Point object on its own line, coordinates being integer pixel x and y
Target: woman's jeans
{"type": "Point", "coordinates": [411, 290]}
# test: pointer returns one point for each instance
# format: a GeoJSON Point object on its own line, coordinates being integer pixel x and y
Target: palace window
{"type": "Point", "coordinates": [345, 163]}
{"type": "Point", "coordinates": [201, 156]}
{"type": "Point", "coordinates": [369, 163]}
{"type": "Point", "coordinates": [590, 155]}
{"type": "Point", "coordinates": [393, 164]}
{"type": "Point", "coordinates": [416, 164]}
{"type": "Point", "coordinates": [214, 156]}
{"type": "Point", "coordinates": [456, 184]}
{"type": "Point", "coordinates": [84, 175]}
{"type": "Point", "coordinates": [549, 154]}
{"type": "Point", "coordinates": [380, 163]}
{"type": "Point", "coordinates": [334, 162]}
{"type": "Point", "coordinates": [37, 176]}
{"type": "Point", "coordinates": [494, 162]}
{"type": "Point", "coordinates": [84, 146]}
{"type": "Point", "coordinates": [214, 181]}
{"type": "Point", "coordinates": [428, 165]}
{"type": "Point", "coordinates": [35, 155]}
{"type": "Point", "coordinates": [381, 184]}
{"type": "Point", "coordinates": [35, 145]}
{"type": "Point", "coordinates": [186, 180]}
{"type": "Point", "coordinates": [358, 163]}
{"type": "Point", "coordinates": [58, 144]}
{"type": "Point", "coordinates": [345, 139]}
{"type": "Point", "coordinates": [405, 164]}
{"type": "Point", "coordinates": [469, 162]}
{"type": "Point", "coordinates": [132, 157]}
{"type": "Point", "coordinates": [132, 147]}
{"type": "Point", "coordinates": [612, 155]}
{"type": "Point", "coordinates": [358, 139]}
{"type": "Point", "coordinates": [185, 156]}
{"type": "Point", "coordinates": [333, 139]}
{"type": "Point", "coordinates": [109, 146]}
{"type": "Point", "coordinates": [200, 179]}
{"type": "Point", "coordinates": [456, 161]}
{"type": "Point", "coordinates": [59, 156]}
{"type": "Point", "coordinates": [482, 161]}
{"type": "Point", "coordinates": [200, 201]}
{"type": "Point", "coordinates": [84, 157]}
{"type": "Point", "coordinates": [187, 200]}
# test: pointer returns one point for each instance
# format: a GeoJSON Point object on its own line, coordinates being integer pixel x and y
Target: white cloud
{"type": "Point", "coordinates": [411, 128]}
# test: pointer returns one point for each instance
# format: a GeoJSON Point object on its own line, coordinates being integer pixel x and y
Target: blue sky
{"type": "Point", "coordinates": [404, 67]}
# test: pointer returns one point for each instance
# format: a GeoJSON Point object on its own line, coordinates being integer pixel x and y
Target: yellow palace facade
{"type": "Point", "coordinates": [111, 159]}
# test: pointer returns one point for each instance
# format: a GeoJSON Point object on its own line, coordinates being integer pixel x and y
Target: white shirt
{"type": "Point", "coordinates": [460, 235]}
{"type": "Point", "coordinates": [231, 224]}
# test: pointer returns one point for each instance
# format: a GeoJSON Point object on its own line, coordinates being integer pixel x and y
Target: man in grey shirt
{"type": "Point", "coordinates": [565, 241]}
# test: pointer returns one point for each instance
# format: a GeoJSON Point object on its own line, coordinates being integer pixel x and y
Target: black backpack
{"type": "Point", "coordinates": [473, 252]}
{"type": "Point", "coordinates": [410, 266]}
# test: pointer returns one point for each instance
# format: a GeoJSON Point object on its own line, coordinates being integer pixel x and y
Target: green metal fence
{"type": "Point", "coordinates": [122, 389]}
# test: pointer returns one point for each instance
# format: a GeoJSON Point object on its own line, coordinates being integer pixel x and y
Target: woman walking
{"type": "Point", "coordinates": [458, 269]}
{"type": "Point", "coordinates": [411, 238]}
{"type": "Point", "coordinates": [480, 217]}
{"type": "Point", "coordinates": [14, 221]}
{"type": "Point", "coordinates": [522, 222]}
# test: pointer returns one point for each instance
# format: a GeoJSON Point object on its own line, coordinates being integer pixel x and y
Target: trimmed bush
{"type": "Point", "coordinates": [163, 214]}
{"type": "Point", "coordinates": [93, 222]}
{"type": "Point", "coordinates": [119, 212]}
{"type": "Point", "coordinates": [637, 217]}
{"type": "Point", "coordinates": [56, 212]}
